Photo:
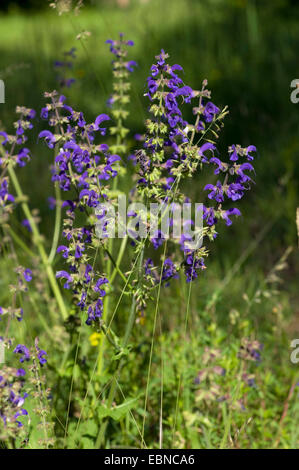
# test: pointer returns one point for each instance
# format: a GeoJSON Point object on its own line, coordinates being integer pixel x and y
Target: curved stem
{"type": "Point", "coordinates": [38, 243]}
{"type": "Point", "coordinates": [20, 242]}
{"type": "Point", "coordinates": [57, 224]}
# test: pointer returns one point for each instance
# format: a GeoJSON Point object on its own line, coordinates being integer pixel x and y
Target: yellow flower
{"type": "Point", "coordinates": [94, 339]}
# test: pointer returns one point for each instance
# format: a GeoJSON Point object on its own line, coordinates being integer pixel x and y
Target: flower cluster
{"type": "Point", "coordinates": [169, 271]}
{"type": "Point", "coordinates": [35, 354]}
{"type": "Point", "coordinates": [210, 390]}
{"type": "Point", "coordinates": [12, 399]}
{"type": "Point", "coordinates": [170, 153]}
{"type": "Point", "coordinates": [24, 276]}
{"type": "Point", "coordinates": [12, 386]}
{"type": "Point", "coordinates": [17, 384]}
{"type": "Point", "coordinates": [12, 153]}
{"type": "Point", "coordinates": [120, 98]}
{"type": "Point", "coordinates": [85, 166]}
{"type": "Point", "coordinates": [80, 161]}
{"type": "Point", "coordinates": [234, 189]}
{"type": "Point", "coordinates": [250, 350]}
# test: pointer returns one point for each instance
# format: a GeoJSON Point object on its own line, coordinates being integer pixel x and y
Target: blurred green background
{"type": "Point", "coordinates": [248, 51]}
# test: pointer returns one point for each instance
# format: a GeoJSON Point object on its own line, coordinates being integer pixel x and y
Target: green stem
{"type": "Point", "coordinates": [152, 345]}
{"type": "Point", "coordinates": [119, 258]}
{"type": "Point", "coordinates": [20, 242]}
{"type": "Point", "coordinates": [109, 337]}
{"type": "Point", "coordinates": [41, 317]}
{"type": "Point", "coordinates": [58, 204]}
{"type": "Point", "coordinates": [228, 419]}
{"type": "Point", "coordinates": [57, 223]}
{"type": "Point", "coordinates": [102, 345]}
{"type": "Point", "coordinates": [111, 277]}
{"type": "Point", "coordinates": [116, 268]}
{"type": "Point", "coordinates": [129, 328]}
{"type": "Point", "coordinates": [38, 243]}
